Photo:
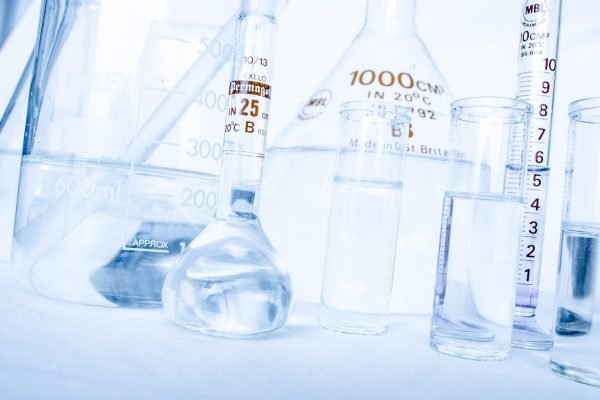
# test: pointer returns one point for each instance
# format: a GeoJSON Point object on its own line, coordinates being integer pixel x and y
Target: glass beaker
{"type": "Point", "coordinates": [121, 151]}
{"type": "Point", "coordinates": [361, 247]}
{"type": "Point", "coordinates": [387, 61]}
{"type": "Point", "coordinates": [479, 235]}
{"type": "Point", "coordinates": [576, 350]}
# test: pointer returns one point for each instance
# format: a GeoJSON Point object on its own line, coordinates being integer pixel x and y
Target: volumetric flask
{"type": "Point", "coordinates": [576, 350]}
{"type": "Point", "coordinates": [387, 61]}
{"type": "Point", "coordinates": [363, 218]}
{"type": "Point", "coordinates": [230, 281]}
{"type": "Point", "coordinates": [479, 235]}
{"type": "Point", "coordinates": [122, 146]}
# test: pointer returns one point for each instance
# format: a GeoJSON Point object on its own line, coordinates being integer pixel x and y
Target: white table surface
{"type": "Point", "coordinates": [55, 350]}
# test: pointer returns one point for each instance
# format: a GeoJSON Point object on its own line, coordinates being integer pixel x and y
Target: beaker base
{"type": "Point", "coordinates": [528, 334]}
{"type": "Point", "coordinates": [467, 352]}
{"type": "Point", "coordinates": [352, 322]}
{"type": "Point", "coordinates": [576, 374]}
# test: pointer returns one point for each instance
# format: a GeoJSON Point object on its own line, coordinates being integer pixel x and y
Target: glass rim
{"type": "Point", "coordinates": [492, 102]}
{"type": "Point", "coordinates": [588, 103]}
{"type": "Point", "coordinates": [395, 111]}
{"type": "Point", "coordinates": [270, 7]}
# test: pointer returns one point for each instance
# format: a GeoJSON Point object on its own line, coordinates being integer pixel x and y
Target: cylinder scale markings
{"type": "Point", "coordinates": [536, 85]}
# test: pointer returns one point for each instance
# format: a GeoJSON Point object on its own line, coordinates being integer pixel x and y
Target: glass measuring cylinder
{"type": "Point", "coordinates": [230, 281]}
{"type": "Point", "coordinates": [576, 350]}
{"type": "Point", "coordinates": [387, 61]}
{"type": "Point", "coordinates": [479, 236]}
{"type": "Point", "coordinates": [111, 192]}
{"type": "Point", "coordinates": [538, 55]}
{"type": "Point", "coordinates": [361, 246]}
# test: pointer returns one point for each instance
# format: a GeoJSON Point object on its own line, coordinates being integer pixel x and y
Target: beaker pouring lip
{"type": "Point", "coordinates": [505, 109]}
{"type": "Point", "coordinates": [267, 7]}
{"type": "Point", "coordinates": [586, 104]}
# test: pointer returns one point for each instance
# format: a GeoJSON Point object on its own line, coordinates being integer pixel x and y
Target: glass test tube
{"type": "Point", "coordinates": [576, 350]}
{"type": "Point", "coordinates": [364, 217]}
{"type": "Point", "coordinates": [479, 234]}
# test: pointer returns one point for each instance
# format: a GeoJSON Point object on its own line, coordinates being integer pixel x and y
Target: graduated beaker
{"type": "Point", "coordinates": [122, 145]}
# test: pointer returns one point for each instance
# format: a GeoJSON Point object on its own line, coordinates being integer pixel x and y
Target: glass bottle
{"type": "Point", "coordinates": [230, 280]}
{"type": "Point", "coordinates": [386, 61]}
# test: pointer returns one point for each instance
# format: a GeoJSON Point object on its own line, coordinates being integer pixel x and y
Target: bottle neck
{"type": "Point", "coordinates": [390, 17]}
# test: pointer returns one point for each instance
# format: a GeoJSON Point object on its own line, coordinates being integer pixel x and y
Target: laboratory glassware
{"type": "Point", "coordinates": [576, 350]}
{"type": "Point", "coordinates": [479, 236]}
{"type": "Point", "coordinates": [16, 64]}
{"type": "Point", "coordinates": [361, 246]}
{"type": "Point", "coordinates": [12, 123]}
{"type": "Point", "coordinates": [538, 55]}
{"type": "Point", "coordinates": [10, 13]}
{"type": "Point", "coordinates": [122, 145]}
{"type": "Point", "coordinates": [387, 61]}
{"type": "Point", "coordinates": [230, 281]}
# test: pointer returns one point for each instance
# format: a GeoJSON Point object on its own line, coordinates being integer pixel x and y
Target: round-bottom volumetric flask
{"type": "Point", "coordinates": [230, 281]}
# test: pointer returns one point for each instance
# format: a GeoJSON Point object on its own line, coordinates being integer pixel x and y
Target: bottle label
{"type": "Point", "coordinates": [428, 99]}
{"type": "Point", "coordinates": [247, 117]}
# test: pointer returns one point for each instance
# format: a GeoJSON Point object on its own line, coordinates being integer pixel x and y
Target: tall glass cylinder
{"type": "Point", "coordinates": [479, 235]}
{"type": "Point", "coordinates": [576, 350]}
{"type": "Point", "coordinates": [363, 217]}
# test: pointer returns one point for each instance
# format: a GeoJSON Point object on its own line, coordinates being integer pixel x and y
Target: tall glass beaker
{"type": "Point", "coordinates": [386, 61]}
{"type": "Point", "coordinates": [576, 350]}
{"type": "Point", "coordinates": [122, 145]}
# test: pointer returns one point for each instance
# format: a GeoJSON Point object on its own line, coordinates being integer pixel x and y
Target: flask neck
{"type": "Point", "coordinates": [246, 119]}
{"type": "Point", "coordinates": [239, 188]}
{"type": "Point", "coordinates": [390, 17]}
